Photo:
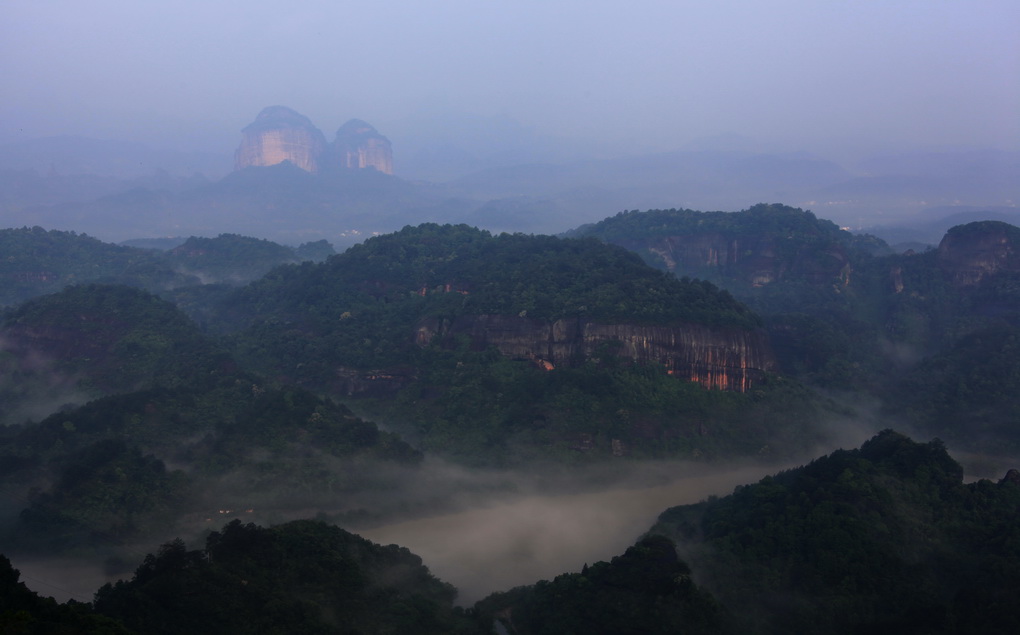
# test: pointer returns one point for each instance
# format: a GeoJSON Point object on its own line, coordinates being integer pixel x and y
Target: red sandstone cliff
{"type": "Point", "coordinates": [726, 358]}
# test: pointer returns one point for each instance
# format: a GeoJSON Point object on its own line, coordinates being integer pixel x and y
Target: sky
{"type": "Point", "coordinates": [793, 74]}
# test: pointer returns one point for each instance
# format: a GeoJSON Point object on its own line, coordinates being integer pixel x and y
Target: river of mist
{"type": "Point", "coordinates": [521, 541]}
{"type": "Point", "coordinates": [513, 539]}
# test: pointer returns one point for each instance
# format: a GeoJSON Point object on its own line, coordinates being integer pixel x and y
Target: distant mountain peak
{"type": "Point", "coordinates": [281, 134]}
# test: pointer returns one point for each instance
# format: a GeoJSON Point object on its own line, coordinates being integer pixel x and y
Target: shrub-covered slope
{"type": "Point", "coordinates": [879, 539]}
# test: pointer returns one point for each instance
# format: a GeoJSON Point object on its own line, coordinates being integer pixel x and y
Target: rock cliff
{"type": "Point", "coordinates": [280, 134]}
{"type": "Point", "coordinates": [755, 260]}
{"type": "Point", "coordinates": [762, 245]}
{"type": "Point", "coordinates": [359, 145]}
{"type": "Point", "coordinates": [972, 252]}
{"type": "Point", "coordinates": [725, 358]}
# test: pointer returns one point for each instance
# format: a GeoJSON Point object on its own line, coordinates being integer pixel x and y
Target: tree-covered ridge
{"type": "Point", "coordinates": [113, 338]}
{"type": "Point", "coordinates": [360, 308]}
{"type": "Point", "coordinates": [886, 537]}
{"type": "Point", "coordinates": [484, 409]}
{"type": "Point", "coordinates": [238, 259]}
{"type": "Point", "coordinates": [300, 577]}
{"type": "Point", "coordinates": [172, 395]}
{"type": "Point", "coordinates": [34, 262]}
{"type": "Point", "coordinates": [646, 590]}
{"type": "Point", "coordinates": [759, 219]}
{"type": "Point", "coordinates": [800, 231]}
{"type": "Point", "coordinates": [542, 276]}
{"type": "Point", "coordinates": [23, 612]}
{"type": "Point", "coordinates": [969, 394]}
{"type": "Point", "coordinates": [97, 476]}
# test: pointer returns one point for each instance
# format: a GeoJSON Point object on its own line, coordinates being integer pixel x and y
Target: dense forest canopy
{"type": "Point", "coordinates": [128, 415]}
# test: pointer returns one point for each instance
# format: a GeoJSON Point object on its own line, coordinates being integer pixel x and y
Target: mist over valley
{"type": "Point", "coordinates": [531, 318]}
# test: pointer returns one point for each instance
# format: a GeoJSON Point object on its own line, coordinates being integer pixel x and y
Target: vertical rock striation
{"type": "Point", "coordinates": [359, 145]}
{"type": "Point", "coordinates": [280, 134]}
{"type": "Point", "coordinates": [725, 358]}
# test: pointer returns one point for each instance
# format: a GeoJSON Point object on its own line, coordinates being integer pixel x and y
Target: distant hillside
{"type": "Point", "coordinates": [38, 262]}
{"type": "Point", "coordinates": [76, 155]}
{"type": "Point", "coordinates": [443, 322]}
{"type": "Point", "coordinates": [158, 392]}
{"type": "Point", "coordinates": [299, 577]}
{"type": "Point", "coordinates": [883, 538]}
{"type": "Point", "coordinates": [841, 309]}
{"type": "Point", "coordinates": [753, 248]}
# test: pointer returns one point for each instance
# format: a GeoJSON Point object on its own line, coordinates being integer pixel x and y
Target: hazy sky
{"type": "Point", "coordinates": [798, 73]}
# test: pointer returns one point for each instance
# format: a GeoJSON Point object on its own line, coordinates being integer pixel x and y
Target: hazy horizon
{"type": "Point", "coordinates": [837, 79]}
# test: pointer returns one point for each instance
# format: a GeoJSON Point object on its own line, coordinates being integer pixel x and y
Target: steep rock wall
{"type": "Point", "coordinates": [756, 260]}
{"type": "Point", "coordinates": [725, 358]}
{"type": "Point", "coordinates": [359, 145]}
{"type": "Point", "coordinates": [279, 134]}
{"type": "Point", "coordinates": [972, 252]}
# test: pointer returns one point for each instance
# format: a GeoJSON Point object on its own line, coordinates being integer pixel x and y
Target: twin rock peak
{"type": "Point", "coordinates": [280, 134]}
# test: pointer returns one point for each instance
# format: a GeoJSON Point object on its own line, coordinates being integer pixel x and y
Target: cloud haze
{"type": "Point", "coordinates": [652, 76]}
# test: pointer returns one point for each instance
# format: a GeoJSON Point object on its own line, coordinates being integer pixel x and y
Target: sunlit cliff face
{"type": "Point", "coordinates": [280, 134]}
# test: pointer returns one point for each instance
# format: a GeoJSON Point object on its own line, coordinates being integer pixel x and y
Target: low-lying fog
{"type": "Point", "coordinates": [521, 541]}
{"type": "Point", "coordinates": [536, 527]}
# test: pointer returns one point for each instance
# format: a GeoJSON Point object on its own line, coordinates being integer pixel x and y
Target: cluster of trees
{"type": "Point", "coordinates": [879, 539]}
{"type": "Point", "coordinates": [219, 391]}
{"type": "Point", "coordinates": [883, 538]}
{"type": "Point", "coordinates": [899, 326]}
{"type": "Point", "coordinates": [38, 261]}
{"type": "Point", "coordinates": [161, 391]}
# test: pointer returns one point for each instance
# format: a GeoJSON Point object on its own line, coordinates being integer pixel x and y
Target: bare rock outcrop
{"type": "Point", "coordinates": [975, 251]}
{"type": "Point", "coordinates": [755, 260]}
{"type": "Point", "coordinates": [280, 134]}
{"type": "Point", "coordinates": [717, 357]}
{"type": "Point", "coordinates": [359, 145]}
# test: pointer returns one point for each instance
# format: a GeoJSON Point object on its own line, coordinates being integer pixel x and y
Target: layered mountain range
{"type": "Point", "coordinates": [280, 134]}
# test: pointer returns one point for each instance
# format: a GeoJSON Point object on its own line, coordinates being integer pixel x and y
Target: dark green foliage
{"type": "Point", "coordinates": [106, 492]}
{"type": "Point", "coordinates": [177, 396]}
{"type": "Point", "coordinates": [301, 577]}
{"type": "Point", "coordinates": [22, 612]}
{"type": "Point", "coordinates": [98, 489]}
{"type": "Point", "coordinates": [647, 590]}
{"type": "Point", "coordinates": [36, 262]}
{"type": "Point", "coordinates": [968, 395]}
{"type": "Point", "coordinates": [878, 539]}
{"type": "Point", "coordinates": [360, 309]}
{"type": "Point", "coordinates": [115, 338]}
{"type": "Point", "coordinates": [483, 408]}
{"type": "Point", "coordinates": [231, 258]}
{"type": "Point", "coordinates": [794, 244]}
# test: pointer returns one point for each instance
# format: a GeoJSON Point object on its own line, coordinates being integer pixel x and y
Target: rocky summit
{"type": "Point", "coordinates": [359, 145]}
{"type": "Point", "coordinates": [280, 134]}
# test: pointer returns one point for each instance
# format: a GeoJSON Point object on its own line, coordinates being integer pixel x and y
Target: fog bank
{"type": "Point", "coordinates": [521, 541]}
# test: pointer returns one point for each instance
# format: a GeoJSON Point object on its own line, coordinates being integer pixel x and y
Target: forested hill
{"type": "Point", "coordinates": [94, 475]}
{"type": "Point", "coordinates": [38, 261]}
{"type": "Point", "coordinates": [763, 244]}
{"type": "Point", "coordinates": [885, 538]}
{"type": "Point", "coordinates": [464, 270]}
{"type": "Point", "coordinates": [451, 320]}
